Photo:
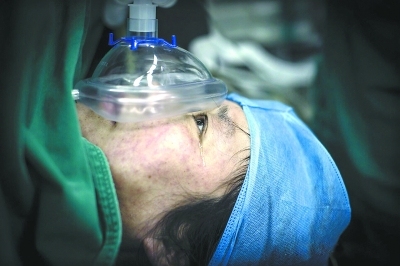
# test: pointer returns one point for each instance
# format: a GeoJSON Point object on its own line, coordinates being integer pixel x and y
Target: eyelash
{"type": "Point", "coordinates": [201, 121]}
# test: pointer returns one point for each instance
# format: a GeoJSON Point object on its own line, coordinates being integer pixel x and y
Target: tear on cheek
{"type": "Point", "coordinates": [202, 155]}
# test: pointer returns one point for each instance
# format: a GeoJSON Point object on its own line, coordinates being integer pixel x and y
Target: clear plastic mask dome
{"type": "Point", "coordinates": [147, 79]}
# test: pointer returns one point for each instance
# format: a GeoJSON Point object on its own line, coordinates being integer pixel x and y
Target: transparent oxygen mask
{"type": "Point", "coordinates": [146, 78]}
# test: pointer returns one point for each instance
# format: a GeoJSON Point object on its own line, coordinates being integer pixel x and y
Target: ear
{"type": "Point", "coordinates": [154, 250]}
{"type": "Point", "coordinates": [158, 255]}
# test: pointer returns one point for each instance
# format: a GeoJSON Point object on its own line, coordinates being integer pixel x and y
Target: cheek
{"type": "Point", "coordinates": [167, 161]}
{"type": "Point", "coordinates": [177, 171]}
{"type": "Point", "coordinates": [155, 155]}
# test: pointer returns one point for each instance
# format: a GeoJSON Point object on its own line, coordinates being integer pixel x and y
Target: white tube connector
{"type": "Point", "coordinates": [142, 19]}
{"type": "Point", "coordinates": [142, 15]}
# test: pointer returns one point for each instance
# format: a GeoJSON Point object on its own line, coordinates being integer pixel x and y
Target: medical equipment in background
{"type": "Point", "coordinates": [144, 77]}
{"type": "Point", "coordinates": [264, 49]}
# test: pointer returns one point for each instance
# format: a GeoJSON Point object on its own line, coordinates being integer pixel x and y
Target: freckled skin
{"type": "Point", "coordinates": [154, 164]}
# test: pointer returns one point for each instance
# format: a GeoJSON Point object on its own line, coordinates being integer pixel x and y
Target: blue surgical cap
{"type": "Point", "coordinates": [293, 205]}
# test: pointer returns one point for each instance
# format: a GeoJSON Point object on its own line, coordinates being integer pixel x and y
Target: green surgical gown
{"type": "Point", "coordinates": [58, 204]}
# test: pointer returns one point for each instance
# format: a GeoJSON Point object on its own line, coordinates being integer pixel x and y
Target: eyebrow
{"type": "Point", "coordinates": [223, 116]}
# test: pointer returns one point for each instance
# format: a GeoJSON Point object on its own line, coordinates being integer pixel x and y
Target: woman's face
{"type": "Point", "coordinates": [156, 164]}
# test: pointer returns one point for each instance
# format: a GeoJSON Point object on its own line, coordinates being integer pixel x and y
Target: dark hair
{"type": "Point", "coordinates": [189, 233]}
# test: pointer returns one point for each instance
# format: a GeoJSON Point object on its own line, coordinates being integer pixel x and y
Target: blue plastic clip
{"type": "Point", "coordinates": [135, 42]}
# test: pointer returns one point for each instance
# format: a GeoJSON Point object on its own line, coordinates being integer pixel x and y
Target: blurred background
{"type": "Point", "coordinates": [264, 49]}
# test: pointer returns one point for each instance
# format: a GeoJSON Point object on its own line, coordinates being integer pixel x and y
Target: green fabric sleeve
{"type": "Point", "coordinates": [57, 201]}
